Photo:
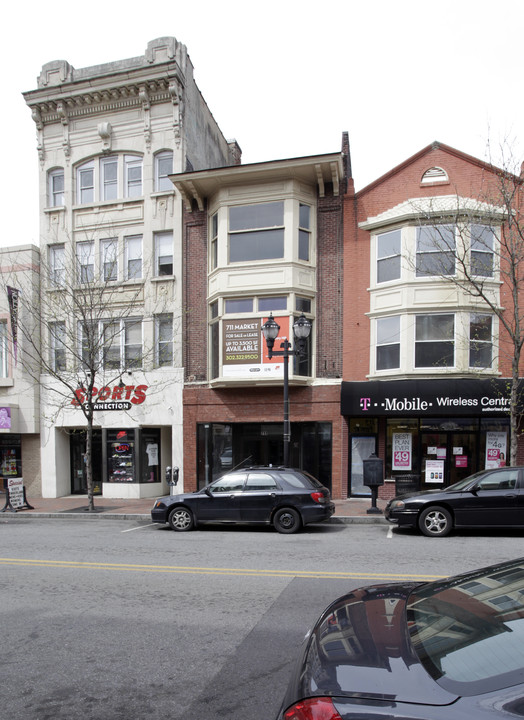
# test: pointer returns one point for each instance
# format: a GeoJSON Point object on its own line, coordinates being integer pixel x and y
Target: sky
{"type": "Point", "coordinates": [286, 78]}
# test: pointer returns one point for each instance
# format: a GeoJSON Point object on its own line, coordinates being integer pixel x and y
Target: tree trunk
{"type": "Point", "coordinates": [89, 462]}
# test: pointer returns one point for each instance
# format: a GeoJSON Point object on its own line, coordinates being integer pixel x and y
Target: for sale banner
{"type": "Point", "coordinates": [244, 350]}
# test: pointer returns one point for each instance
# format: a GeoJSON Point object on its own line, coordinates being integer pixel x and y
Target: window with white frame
{"type": "Point", "coordinates": [122, 344]}
{"type": "Point", "coordinates": [163, 253]}
{"type": "Point", "coordinates": [57, 346]}
{"type": "Point", "coordinates": [304, 232]}
{"type": "Point", "coordinates": [4, 348]}
{"type": "Point", "coordinates": [435, 250]}
{"type": "Point", "coordinates": [388, 343]}
{"type": "Point", "coordinates": [480, 341]}
{"type": "Point", "coordinates": [163, 169]}
{"type": "Point", "coordinates": [213, 250]}
{"type": "Point", "coordinates": [434, 341]}
{"type": "Point", "coordinates": [388, 256]}
{"type": "Point", "coordinates": [256, 232]}
{"type": "Point", "coordinates": [56, 187]}
{"type": "Point", "coordinates": [109, 178]}
{"type": "Point", "coordinates": [133, 176]}
{"type": "Point", "coordinates": [482, 247]}
{"type": "Point", "coordinates": [112, 334]}
{"type": "Point", "coordinates": [85, 182]}
{"type": "Point", "coordinates": [133, 257]}
{"type": "Point", "coordinates": [89, 344]}
{"type": "Point", "coordinates": [164, 340]}
{"type": "Point", "coordinates": [57, 265]}
{"type": "Point", "coordinates": [109, 259]}
{"type": "Point", "coordinates": [85, 258]}
{"type": "Point", "coordinates": [132, 344]}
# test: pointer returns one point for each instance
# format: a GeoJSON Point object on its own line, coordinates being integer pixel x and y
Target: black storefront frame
{"type": "Point", "coordinates": [223, 446]}
{"type": "Point", "coordinates": [483, 401]}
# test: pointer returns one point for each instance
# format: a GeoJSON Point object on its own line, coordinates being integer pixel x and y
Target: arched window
{"type": "Point", "coordinates": [434, 175]}
{"type": "Point", "coordinates": [55, 187]}
{"type": "Point", "coordinates": [163, 168]}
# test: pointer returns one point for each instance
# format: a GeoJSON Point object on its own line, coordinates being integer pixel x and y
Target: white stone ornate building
{"type": "Point", "coordinates": [108, 138]}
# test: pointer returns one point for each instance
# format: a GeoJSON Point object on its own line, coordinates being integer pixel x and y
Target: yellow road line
{"type": "Point", "coordinates": [185, 569]}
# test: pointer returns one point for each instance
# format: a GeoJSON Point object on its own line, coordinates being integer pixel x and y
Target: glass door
{"type": "Point", "coordinates": [361, 448]}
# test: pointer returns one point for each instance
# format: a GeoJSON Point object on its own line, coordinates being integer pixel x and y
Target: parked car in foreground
{"type": "Point", "coordinates": [490, 498]}
{"type": "Point", "coordinates": [451, 649]}
{"type": "Point", "coordinates": [283, 497]}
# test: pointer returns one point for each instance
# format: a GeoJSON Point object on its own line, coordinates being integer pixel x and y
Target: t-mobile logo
{"type": "Point", "coordinates": [365, 403]}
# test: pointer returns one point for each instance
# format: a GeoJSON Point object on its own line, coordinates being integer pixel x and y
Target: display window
{"type": "Point", "coordinates": [10, 456]}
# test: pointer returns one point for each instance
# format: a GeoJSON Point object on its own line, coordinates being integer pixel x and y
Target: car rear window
{"type": "Point", "coordinates": [301, 480]}
{"type": "Point", "coordinates": [469, 633]}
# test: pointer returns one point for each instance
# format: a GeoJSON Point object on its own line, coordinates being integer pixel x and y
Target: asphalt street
{"type": "Point", "coordinates": [123, 619]}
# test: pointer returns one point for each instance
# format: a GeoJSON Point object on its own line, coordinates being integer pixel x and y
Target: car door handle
{"type": "Point", "coordinates": [512, 496]}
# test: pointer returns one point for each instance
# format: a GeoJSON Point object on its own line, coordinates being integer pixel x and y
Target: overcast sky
{"type": "Point", "coordinates": [285, 78]}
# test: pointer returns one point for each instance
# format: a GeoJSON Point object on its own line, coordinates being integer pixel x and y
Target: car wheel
{"type": "Point", "coordinates": [181, 519]}
{"type": "Point", "coordinates": [435, 522]}
{"type": "Point", "coordinates": [287, 521]}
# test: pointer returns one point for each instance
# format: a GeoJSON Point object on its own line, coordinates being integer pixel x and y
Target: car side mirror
{"type": "Point", "coordinates": [207, 491]}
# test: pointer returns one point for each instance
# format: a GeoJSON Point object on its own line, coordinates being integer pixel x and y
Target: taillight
{"type": "Point", "coordinates": [319, 708]}
{"type": "Point", "coordinates": [318, 497]}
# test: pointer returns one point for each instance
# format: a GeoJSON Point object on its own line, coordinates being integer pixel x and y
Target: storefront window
{"type": "Point", "coordinates": [149, 455]}
{"type": "Point", "coordinates": [10, 456]}
{"type": "Point", "coordinates": [402, 447]}
{"type": "Point", "coordinates": [121, 460]}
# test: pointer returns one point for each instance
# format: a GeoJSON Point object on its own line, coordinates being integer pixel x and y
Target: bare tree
{"type": "Point", "coordinates": [477, 245]}
{"type": "Point", "coordinates": [81, 332]}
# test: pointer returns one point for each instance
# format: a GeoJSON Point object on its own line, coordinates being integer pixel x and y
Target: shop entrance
{"type": "Point", "coordinates": [78, 466]}
{"type": "Point", "coordinates": [447, 456]}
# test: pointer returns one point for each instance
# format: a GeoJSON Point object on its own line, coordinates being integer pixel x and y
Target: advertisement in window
{"type": "Point", "coordinates": [244, 351]}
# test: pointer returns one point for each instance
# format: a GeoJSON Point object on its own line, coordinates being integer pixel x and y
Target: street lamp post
{"type": "Point", "coordinates": [301, 331]}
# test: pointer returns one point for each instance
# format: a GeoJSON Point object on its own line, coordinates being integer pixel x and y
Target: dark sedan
{"type": "Point", "coordinates": [491, 498]}
{"type": "Point", "coordinates": [283, 497]}
{"type": "Point", "coordinates": [447, 649]}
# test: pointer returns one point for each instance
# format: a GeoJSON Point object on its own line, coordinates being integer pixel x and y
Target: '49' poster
{"type": "Point", "coordinates": [402, 451]}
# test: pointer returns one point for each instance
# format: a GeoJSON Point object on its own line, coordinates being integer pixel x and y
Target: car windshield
{"type": "Point", "coordinates": [464, 483]}
{"type": "Point", "coordinates": [469, 632]}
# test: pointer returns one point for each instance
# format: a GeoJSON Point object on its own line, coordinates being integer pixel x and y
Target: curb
{"type": "Point", "coordinates": [338, 520]}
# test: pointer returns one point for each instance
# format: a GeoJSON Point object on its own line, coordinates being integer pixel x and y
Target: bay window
{"type": "Point", "coordinates": [388, 256]}
{"type": "Point", "coordinates": [256, 232]}
{"type": "Point", "coordinates": [434, 341]}
{"type": "Point", "coordinates": [480, 341]}
{"type": "Point", "coordinates": [482, 247]}
{"type": "Point", "coordinates": [435, 250]}
{"type": "Point", "coordinates": [388, 343]}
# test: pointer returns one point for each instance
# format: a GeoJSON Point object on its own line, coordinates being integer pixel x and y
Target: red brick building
{"type": "Point", "coordinates": [259, 240]}
{"type": "Point", "coordinates": [424, 360]}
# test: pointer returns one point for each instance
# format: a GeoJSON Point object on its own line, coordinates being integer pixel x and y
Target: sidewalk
{"type": "Point", "coordinates": [347, 511]}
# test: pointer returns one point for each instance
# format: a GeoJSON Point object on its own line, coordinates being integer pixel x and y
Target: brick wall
{"type": "Point", "coordinates": [194, 307]}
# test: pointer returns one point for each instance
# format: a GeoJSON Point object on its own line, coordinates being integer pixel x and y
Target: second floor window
{"type": "Point", "coordinates": [480, 341]}
{"type": "Point", "coordinates": [256, 232]}
{"type": "Point", "coordinates": [57, 346]}
{"type": "Point", "coordinates": [122, 344]}
{"type": "Point", "coordinates": [434, 341]}
{"type": "Point", "coordinates": [109, 259]}
{"type": "Point", "coordinates": [388, 343]}
{"type": "Point", "coordinates": [164, 340]}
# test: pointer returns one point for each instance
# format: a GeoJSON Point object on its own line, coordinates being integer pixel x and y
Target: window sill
{"type": "Point", "coordinates": [97, 206]}
{"type": "Point", "coordinates": [7, 382]}
{"type": "Point", "coordinates": [163, 278]}
{"type": "Point", "coordinates": [55, 208]}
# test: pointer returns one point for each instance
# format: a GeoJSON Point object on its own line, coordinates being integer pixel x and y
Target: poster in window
{"type": "Point", "coordinates": [496, 449]}
{"type": "Point", "coordinates": [402, 451]}
{"type": "Point", "coordinates": [434, 471]}
{"type": "Point", "coordinates": [244, 350]}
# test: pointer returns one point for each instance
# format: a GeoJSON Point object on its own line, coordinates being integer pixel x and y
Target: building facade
{"type": "Point", "coordinates": [19, 348]}
{"type": "Point", "coordinates": [270, 238]}
{"type": "Point", "coordinates": [110, 223]}
{"type": "Point", "coordinates": [425, 363]}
